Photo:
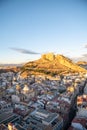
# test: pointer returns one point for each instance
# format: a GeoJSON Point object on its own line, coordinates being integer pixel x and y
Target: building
{"type": "Point", "coordinates": [43, 119]}
{"type": "Point", "coordinates": [5, 118]}
{"type": "Point", "coordinates": [11, 127]}
{"type": "Point", "coordinates": [15, 98]}
{"type": "Point", "coordinates": [3, 127]}
{"type": "Point", "coordinates": [29, 93]}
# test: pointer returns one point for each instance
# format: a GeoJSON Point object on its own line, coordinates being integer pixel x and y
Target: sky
{"type": "Point", "coordinates": [30, 28]}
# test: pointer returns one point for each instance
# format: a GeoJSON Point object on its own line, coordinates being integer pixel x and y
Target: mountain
{"type": "Point", "coordinates": [50, 64]}
{"type": "Point", "coordinates": [82, 64]}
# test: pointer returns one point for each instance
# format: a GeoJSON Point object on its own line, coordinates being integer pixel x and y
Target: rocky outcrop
{"type": "Point", "coordinates": [51, 64]}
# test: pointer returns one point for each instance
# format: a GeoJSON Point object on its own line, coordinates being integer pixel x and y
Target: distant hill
{"type": "Point", "coordinates": [82, 64]}
{"type": "Point", "coordinates": [4, 69]}
{"type": "Point", "coordinates": [10, 65]}
{"type": "Point", "coordinates": [50, 64]}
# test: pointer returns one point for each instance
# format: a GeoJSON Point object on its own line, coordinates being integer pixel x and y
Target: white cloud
{"type": "Point", "coordinates": [85, 46]}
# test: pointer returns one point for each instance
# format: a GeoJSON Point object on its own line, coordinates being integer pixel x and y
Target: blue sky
{"type": "Point", "coordinates": [41, 26]}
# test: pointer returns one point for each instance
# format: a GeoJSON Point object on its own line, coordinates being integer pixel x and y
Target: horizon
{"type": "Point", "coordinates": [22, 63]}
{"type": "Point", "coordinates": [31, 28]}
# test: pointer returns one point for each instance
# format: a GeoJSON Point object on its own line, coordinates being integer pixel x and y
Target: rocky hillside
{"type": "Point", "coordinates": [82, 64]}
{"type": "Point", "coordinates": [50, 64]}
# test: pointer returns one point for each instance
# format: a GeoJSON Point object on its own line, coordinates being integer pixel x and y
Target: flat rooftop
{"type": "Point", "coordinates": [5, 118]}
{"type": "Point", "coordinates": [44, 115]}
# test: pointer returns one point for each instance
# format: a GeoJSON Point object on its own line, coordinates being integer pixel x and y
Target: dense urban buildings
{"type": "Point", "coordinates": [41, 103]}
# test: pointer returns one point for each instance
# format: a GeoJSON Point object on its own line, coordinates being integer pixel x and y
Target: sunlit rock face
{"type": "Point", "coordinates": [51, 64]}
{"type": "Point", "coordinates": [48, 56]}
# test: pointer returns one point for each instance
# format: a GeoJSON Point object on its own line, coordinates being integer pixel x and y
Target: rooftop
{"type": "Point", "coordinates": [44, 115]}
{"type": "Point", "coordinates": [82, 113]}
{"type": "Point", "coordinates": [3, 127]}
{"type": "Point", "coordinates": [5, 118]}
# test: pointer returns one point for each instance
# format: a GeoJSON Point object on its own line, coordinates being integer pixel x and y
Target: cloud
{"type": "Point", "coordinates": [24, 51]}
{"type": "Point", "coordinates": [85, 46]}
{"type": "Point", "coordinates": [81, 58]}
{"type": "Point", "coordinates": [85, 55]}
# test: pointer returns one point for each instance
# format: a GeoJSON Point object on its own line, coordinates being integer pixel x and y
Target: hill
{"type": "Point", "coordinates": [82, 64]}
{"type": "Point", "coordinates": [50, 64]}
{"type": "Point", "coordinates": [4, 69]}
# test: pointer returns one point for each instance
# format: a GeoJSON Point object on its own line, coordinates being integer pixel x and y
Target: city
{"type": "Point", "coordinates": [43, 64]}
{"type": "Point", "coordinates": [40, 103]}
